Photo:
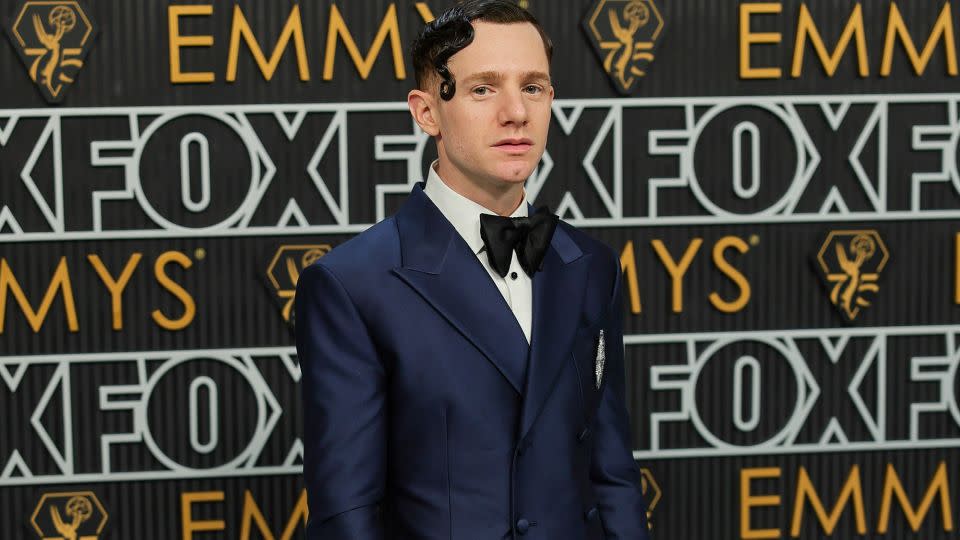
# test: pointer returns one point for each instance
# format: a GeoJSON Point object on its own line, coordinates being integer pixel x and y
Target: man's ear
{"type": "Point", "coordinates": [423, 107]}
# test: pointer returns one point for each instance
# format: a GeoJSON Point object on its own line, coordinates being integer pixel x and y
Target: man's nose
{"type": "Point", "coordinates": [513, 108]}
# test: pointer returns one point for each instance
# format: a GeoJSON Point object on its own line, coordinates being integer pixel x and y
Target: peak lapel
{"type": "Point", "coordinates": [557, 297]}
{"type": "Point", "coordinates": [441, 268]}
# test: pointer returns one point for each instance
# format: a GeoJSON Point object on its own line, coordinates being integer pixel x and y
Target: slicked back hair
{"type": "Point", "coordinates": [452, 31]}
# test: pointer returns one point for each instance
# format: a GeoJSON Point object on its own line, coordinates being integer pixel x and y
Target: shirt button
{"type": "Point", "coordinates": [513, 275]}
{"type": "Point", "coordinates": [523, 526]}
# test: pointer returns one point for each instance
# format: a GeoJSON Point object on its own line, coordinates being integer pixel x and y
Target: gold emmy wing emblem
{"type": "Point", "coordinates": [651, 493]}
{"type": "Point", "coordinates": [284, 271]}
{"type": "Point", "coordinates": [624, 34]}
{"type": "Point", "coordinates": [75, 515]}
{"type": "Point", "coordinates": [52, 38]}
{"type": "Point", "coordinates": [851, 262]}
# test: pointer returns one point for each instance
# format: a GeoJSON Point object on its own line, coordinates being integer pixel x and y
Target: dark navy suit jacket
{"type": "Point", "coordinates": [427, 414]}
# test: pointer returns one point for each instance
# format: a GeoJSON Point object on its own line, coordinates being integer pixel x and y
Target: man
{"type": "Point", "coordinates": [462, 370]}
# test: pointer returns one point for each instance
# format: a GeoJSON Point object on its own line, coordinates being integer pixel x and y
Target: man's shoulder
{"type": "Point", "coordinates": [373, 250]}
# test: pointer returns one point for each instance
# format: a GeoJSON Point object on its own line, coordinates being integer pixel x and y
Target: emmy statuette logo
{"type": "Point", "coordinates": [77, 515]}
{"type": "Point", "coordinates": [651, 493]}
{"type": "Point", "coordinates": [52, 38]}
{"type": "Point", "coordinates": [283, 272]}
{"type": "Point", "coordinates": [624, 34]}
{"type": "Point", "coordinates": [851, 262]}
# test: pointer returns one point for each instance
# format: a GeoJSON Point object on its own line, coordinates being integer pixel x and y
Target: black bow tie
{"type": "Point", "coordinates": [528, 236]}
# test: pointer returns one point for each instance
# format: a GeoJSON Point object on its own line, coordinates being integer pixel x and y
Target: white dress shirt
{"type": "Point", "coordinates": [464, 215]}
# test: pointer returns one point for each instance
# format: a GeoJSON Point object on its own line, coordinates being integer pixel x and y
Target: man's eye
{"type": "Point", "coordinates": [532, 89]}
{"type": "Point", "coordinates": [480, 90]}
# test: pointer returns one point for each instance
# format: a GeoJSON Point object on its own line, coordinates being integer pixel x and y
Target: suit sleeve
{"type": "Point", "coordinates": [615, 476]}
{"type": "Point", "coordinates": [344, 411]}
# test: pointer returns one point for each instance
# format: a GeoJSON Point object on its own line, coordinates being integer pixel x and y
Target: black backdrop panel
{"type": "Point", "coordinates": [787, 212]}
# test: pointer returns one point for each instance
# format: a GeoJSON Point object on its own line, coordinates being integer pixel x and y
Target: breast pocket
{"type": "Point", "coordinates": [589, 353]}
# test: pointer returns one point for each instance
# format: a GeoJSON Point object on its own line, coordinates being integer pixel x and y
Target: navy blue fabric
{"type": "Point", "coordinates": [427, 414]}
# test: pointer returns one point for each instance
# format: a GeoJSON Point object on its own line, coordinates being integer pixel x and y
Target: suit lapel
{"type": "Point", "coordinates": [440, 267]}
{"type": "Point", "coordinates": [558, 291]}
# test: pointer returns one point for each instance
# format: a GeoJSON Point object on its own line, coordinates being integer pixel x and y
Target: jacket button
{"type": "Point", "coordinates": [583, 434]}
{"type": "Point", "coordinates": [523, 526]}
{"type": "Point", "coordinates": [591, 514]}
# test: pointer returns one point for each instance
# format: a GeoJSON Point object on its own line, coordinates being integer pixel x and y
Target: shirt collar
{"type": "Point", "coordinates": [461, 212]}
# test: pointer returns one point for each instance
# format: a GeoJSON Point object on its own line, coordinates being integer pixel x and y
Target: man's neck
{"type": "Point", "coordinates": [502, 199]}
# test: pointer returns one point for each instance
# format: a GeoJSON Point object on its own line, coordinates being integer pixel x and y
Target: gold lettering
{"type": "Point", "coordinates": [938, 485]}
{"type": "Point", "coordinates": [252, 513]}
{"type": "Point", "coordinates": [338, 28]}
{"type": "Point", "coordinates": [177, 41]}
{"type": "Point", "coordinates": [851, 490]}
{"type": "Point", "coordinates": [293, 28]}
{"type": "Point", "coordinates": [60, 281]}
{"type": "Point", "coordinates": [188, 524]}
{"type": "Point", "coordinates": [676, 270]}
{"type": "Point", "coordinates": [115, 286]}
{"type": "Point", "coordinates": [956, 280]}
{"type": "Point", "coordinates": [189, 307]}
{"type": "Point", "coordinates": [896, 28]}
{"type": "Point", "coordinates": [748, 501]}
{"type": "Point", "coordinates": [806, 28]}
{"type": "Point", "coordinates": [628, 263]}
{"type": "Point", "coordinates": [748, 39]}
{"type": "Point", "coordinates": [424, 10]}
{"type": "Point", "coordinates": [732, 273]}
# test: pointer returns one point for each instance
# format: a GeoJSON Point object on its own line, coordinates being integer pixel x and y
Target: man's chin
{"type": "Point", "coordinates": [513, 173]}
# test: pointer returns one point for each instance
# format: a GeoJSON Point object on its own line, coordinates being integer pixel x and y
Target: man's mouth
{"type": "Point", "coordinates": [514, 145]}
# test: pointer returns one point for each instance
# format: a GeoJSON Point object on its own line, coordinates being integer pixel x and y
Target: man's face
{"type": "Point", "coordinates": [494, 130]}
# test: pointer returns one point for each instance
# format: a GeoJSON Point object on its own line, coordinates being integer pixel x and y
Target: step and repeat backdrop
{"type": "Point", "coordinates": [781, 179]}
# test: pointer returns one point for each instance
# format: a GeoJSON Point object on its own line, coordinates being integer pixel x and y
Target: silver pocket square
{"type": "Point", "coordinates": [601, 358]}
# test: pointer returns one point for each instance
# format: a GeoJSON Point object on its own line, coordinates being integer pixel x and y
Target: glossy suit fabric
{"type": "Point", "coordinates": [427, 414]}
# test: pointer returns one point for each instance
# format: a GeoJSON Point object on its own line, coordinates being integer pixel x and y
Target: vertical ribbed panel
{"type": "Point", "coordinates": [838, 398]}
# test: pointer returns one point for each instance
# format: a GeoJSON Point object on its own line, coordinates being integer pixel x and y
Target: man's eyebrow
{"type": "Point", "coordinates": [536, 76]}
{"type": "Point", "coordinates": [493, 76]}
{"type": "Point", "coordinates": [496, 76]}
